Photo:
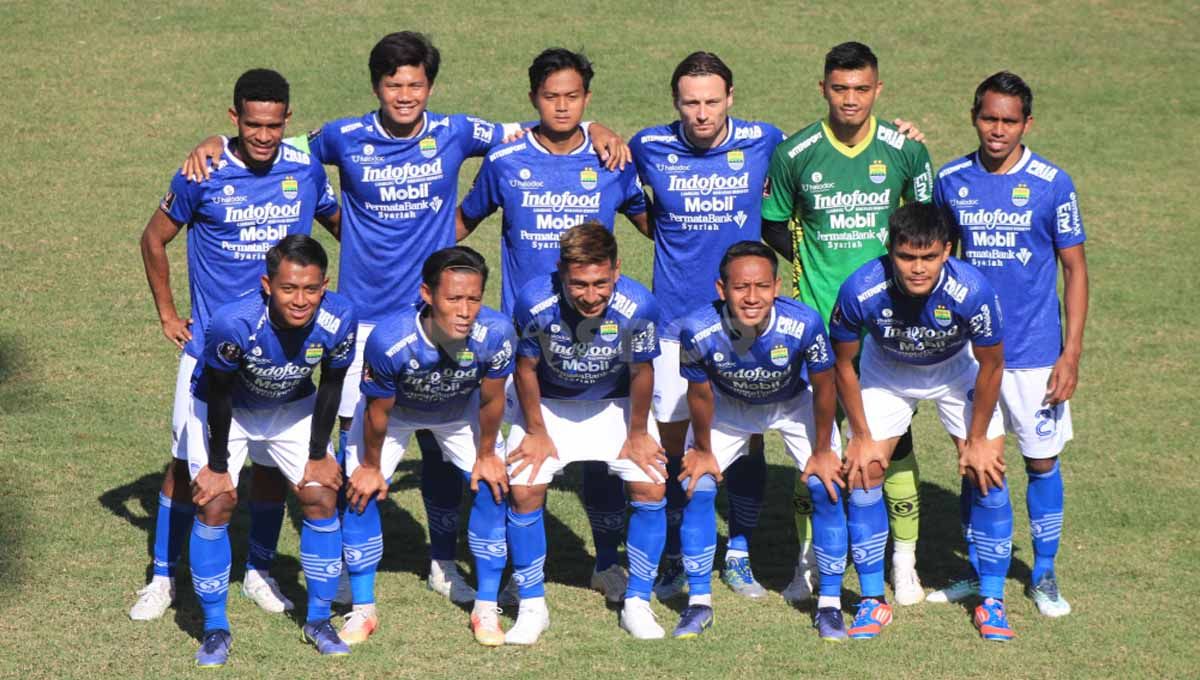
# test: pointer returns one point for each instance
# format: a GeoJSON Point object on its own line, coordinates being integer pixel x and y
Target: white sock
{"type": "Point", "coordinates": [705, 600]}
{"type": "Point", "coordinates": [366, 608]}
{"type": "Point", "coordinates": [158, 579]}
{"type": "Point", "coordinates": [734, 554]}
{"type": "Point", "coordinates": [533, 603]}
{"type": "Point", "coordinates": [904, 555]}
{"type": "Point", "coordinates": [630, 600]}
{"type": "Point", "coordinates": [484, 605]}
{"type": "Point", "coordinates": [834, 601]}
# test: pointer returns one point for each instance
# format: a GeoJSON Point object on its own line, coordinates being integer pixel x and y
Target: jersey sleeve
{"type": "Point", "coordinates": [1068, 225]}
{"type": "Point", "coordinates": [691, 358]}
{"type": "Point", "coordinates": [919, 187]}
{"type": "Point", "coordinates": [341, 346]}
{"type": "Point", "coordinates": [379, 375]}
{"type": "Point", "coordinates": [225, 343]}
{"type": "Point", "coordinates": [986, 325]}
{"type": "Point", "coordinates": [779, 191]}
{"type": "Point", "coordinates": [501, 361]}
{"type": "Point", "coordinates": [322, 144]}
{"type": "Point", "coordinates": [529, 331]}
{"type": "Point", "coordinates": [181, 200]}
{"type": "Point", "coordinates": [476, 135]}
{"type": "Point", "coordinates": [643, 337]}
{"type": "Point", "coordinates": [816, 351]}
{"type": "Point", "coordinates": [845, 323]}
{"type": "Point", "coordinates": [633, 201]}
{"type": "Point", "coordinates": [326, 201]}
{"type": "Point", "coordinates": [484, 197]}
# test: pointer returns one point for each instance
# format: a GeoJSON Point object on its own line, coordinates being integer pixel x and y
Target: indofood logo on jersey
{"type": "Point", "coordinates": [465, 357]}
{"type": "Point", "coordinates": [428, 147]}
{"type": "Point", "coordinates": [851, 200]}
{"type": "Point", "coordinates": [779, 355]}
{"type": "Point", "coordinates": [314, 353]}
{"type": "Point", "coordinates": [409, 172]}
{"type": "Point", "coordinates": [608, 330]}
{"type": "Point", "coordinates": [259, 214]}
{"type": "Point", "coordinates": [707, 184]}
{"type": "Point", "coordinates": [877, 171]}
{"type": "Point", "coordinates": [588, 178]}
{"type": "Point", "coordinates": [942, 315]}
{"type": "Point", "coordinates": [736, 159]}
{"type": "Point", "coordinates": [290, 187]}
{"type": "Point", "coordinates": [1020, 195]}
{"type": "Point", "coordinates": [558, 202]}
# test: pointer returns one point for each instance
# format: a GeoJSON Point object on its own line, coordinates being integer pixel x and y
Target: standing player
{"type": "Point", "coordinates": [441, 366]}
{"type": "Point", "coordinates": [1017, 215]}
{"type": "Point", "coordinates": [398, 167]}
{"type": "Point", "coordinates": [587, 337]}
{"type": "Point", "coordinates": [933, 330]}
{"type": "Point", "coordinates": [255, 385]}
{"type": "Point", "coordinates": [545, 183]}
{"type": "Point", "coordinates": [837, 181]}
{"type": "Point", "coordinates": [260, 192]}
{"type": "Point", "coordinates": [749, 360]}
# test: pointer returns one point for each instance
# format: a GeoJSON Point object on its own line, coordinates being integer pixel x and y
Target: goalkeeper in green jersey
{"type": "Point", "coordinates": [826, 202]}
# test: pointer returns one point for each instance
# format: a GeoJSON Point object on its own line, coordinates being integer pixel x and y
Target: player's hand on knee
{"type": "Point", "coordinates": [1063, 379]}
{"type": "Point", "coordinates": [490, 470]}
{"type": "Point", "coordinates": [909, 130]}
{"type": "Point", "coordinates": [177, 331]}
{"type": "Point", "coordinates": [324, 472]}
{"type": "Point", "coordinates": [365, 484]}
{"type": "Point", "coordinates": [983, 463]}
{"type": "Point", "coordinates": [697, 463]}
{"type": "Point", "coordinates": [861, 453]}
{"type": "Point", "coordinates": [646, 453]}
{"type": "Point", "coordinates": [208, 485]}
{"type": "Point", "coordinates": [532, 452]}
{"type": "Point", "coordinates": [828, 468]}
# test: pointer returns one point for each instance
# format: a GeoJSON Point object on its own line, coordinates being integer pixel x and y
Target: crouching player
{"type": "Point", "coordinates": [254, 385]}
{"type": "Point", "coordinates": [749, 360]}
{"type": "Point", "coordinates": [933, 331]}
{"type": "Point", "coordinates": [583, 378]}
{"type": "Point", "coordinates": [441, 366]}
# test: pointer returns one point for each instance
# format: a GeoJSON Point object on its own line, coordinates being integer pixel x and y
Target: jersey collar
{"type": "Point", "coordinates": [850, 152]}
{"type": "Point", "coordinates": [232, 157]}
{"type": "Point", "coordinates": [421, 327]}
{"type": "Point", "coordinates": [387, 135]}
{"type": "Point", "coordinates": [584, 147]}
{"type": "Point", "coordinates": [1016, 168]}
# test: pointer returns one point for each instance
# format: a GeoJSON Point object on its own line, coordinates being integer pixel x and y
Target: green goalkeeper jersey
{"type": "Point", "coordinates": [838, 199]}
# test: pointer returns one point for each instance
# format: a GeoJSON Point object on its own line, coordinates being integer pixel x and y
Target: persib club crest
{"type": "Point", "coordinates": [608, 330]}
{"type": "Point", "coordinates": [314, 353]}
{"type": "Point", "coordinates": [428, 147]}
{"type": "Point", "coordinates": [588, 178]}
{"type": "Point", "coordinates": [877, 171]}
{"type": "Point", "coordinates": [942, 315]}
{"type": "Point", "coordinates": [465, 357]}
{"type": "Point", "coordinates": [1020, 195]}
{"type": "Point", "coordinates": [779, 355]}
{"type": "Point", "coordinates": [291, 188]}
{"type": "Point", "coordinates": [736, 159]}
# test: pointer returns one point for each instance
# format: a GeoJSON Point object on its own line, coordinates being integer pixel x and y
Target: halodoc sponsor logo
{"type": "Point", "coordinates": [560, 201]}
{"type": "Point", "coordinates": [852, 200]}
{"type": "Point", "coordinates": [995, 218]}
{"type": "Point", "coordinates": [708, 184]}
{"type": "Point", "coordinates": [401, 174]}
{"type": "Point", "coordinates": [260, 214]}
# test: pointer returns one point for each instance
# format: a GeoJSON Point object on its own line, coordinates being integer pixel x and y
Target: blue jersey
{"type": "Point", "coordinates": [398, 199]}
{"type": "Point", "coordinates": [234, 217]}
{"type": "Point", "coordinates": [705, 200]}
{"type": "Point", "coordinates": [401, 362]}
{"type": "Point", "coordinates": [961, 308]}
{"type": "Point", "coordinates": [582, 358]}
{"type": "Point", "coordinates": [1011, 226]}
{"type": "Point", "coordinates": [274, 366]}
{"type": "Point", "coordinates": [542, 195]}
{"type": "Point", "coordinates": [773, 367]}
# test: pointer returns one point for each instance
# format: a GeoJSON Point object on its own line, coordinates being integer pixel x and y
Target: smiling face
{"type": "Point", "coordinates": [295, 293]}
{"type": "Point", "coordinates": [1000, 123]}
{"type": "Point", "coordinates": [260, 130]}
{"type": "Point", "coordinates": [917, 269]}
{"type": "Point", "coordinates": [403, 95]}
{"type": "Point", "coordinates": [749, 290]}
{"type": "Point", "coordinates": [588, 287]}
{"type": "Point", "coordinates": [455, 303]}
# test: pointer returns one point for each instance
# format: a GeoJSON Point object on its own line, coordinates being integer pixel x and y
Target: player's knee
{"type": "Point", "coordinates": [705, 483]}
{"type": "Point", "coordinates": [645, 492]}
{"type": "Point", "coordinates": [1040, 466]}
{"type": "Point", "coordinates": [528, 498]}
{"type": "Point", "coordinates": [995, 498]}
{"type": "Point", "coordinates": [866, 497]}
{"type": "Point", "coordinates": [818, 495]}
{"type": "Point", "coordinates": [267, 484]}
{"type": "Point", "coordinates": [317, 502]}
{"type": "Point", "coordinates": [177, 481]}
{"type": "Point", "coordinates": [217, 511]}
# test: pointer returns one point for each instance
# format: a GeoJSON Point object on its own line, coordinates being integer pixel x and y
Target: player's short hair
{"type": "Point", "coordinates": [919, 225]}
{"type": "Point", "coordinates": [405, 48]}
{"type": "Point", "coordinates": [587, 243]}
{"type": "Point", "coordinates": [455, 259]}
{"type": "Point", "coordinates": [301, 249]}
{"type": "Point", "coordinates": [849, 56]}
{"type": "Point", "coordinates": [701, 64]}
{"type": "Point", "coordinates": [559, 59]}
{"type": "Point", "coordinates": [1006, 83]}
{"type": "Point", "coordinates": [260, 85]}
{"type": "Point", "coordinates": [748, 249]}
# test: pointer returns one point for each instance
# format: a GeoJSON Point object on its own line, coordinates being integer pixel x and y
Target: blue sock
{"type": "Point", "coordinates": [698, 535]}
{"type": "Point", "coordinates": [321, 558]}
{"type": "Point", "coordinates": [991, 531]}
{"type": "Point", "coordinates": [966, 499]}
{"type": "Point", "coordinates": [211, 558]}
{"type": "Point", "coordinates": [487, 536]}
{"type": "Point", "coordinates": [647, 534]}
{"type": "Point", "coordinates": [527, 545]}
{"type": "Point", "coordinates": [604, 500]}
{"type": "Point", "coordinates": [676, 499]}
{"type": "Point", "coordinates": [265, 522]}
{"type": "Point", "coordinates": [362, 548]}
{"type": "Point", "coordinates": [441, 489]}
{"type": "Point", "coordinates": [171, 526]}
{"type": "Point", "coordinates": [746, 486]}
{"type": "Point", "coordinates": [1045, 502]}
{"type": "Point", "coordinates": [868, 525]}
{"type": "Point", "coordinates": [828, 538]}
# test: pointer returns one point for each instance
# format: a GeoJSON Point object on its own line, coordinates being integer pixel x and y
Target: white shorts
{"type": "Point", "coordinates": [892, 389]}
{"type": "Point", "coordinates": [735, 421]}
{"type": "Point", "coordinates": [350, 387]}
{"type": "Point", "coordinates": [582, 430]}
{"type": "Point", "coordinates": [1042, 431]}
{"type": "Point", "coordinates": [670, 388]}
{"type": "Point", "coordinates": [458, 438]}
{"type": "Point", "coordinates": [181, 416]}
{"type": "Point", "coordinates": [280, 435]}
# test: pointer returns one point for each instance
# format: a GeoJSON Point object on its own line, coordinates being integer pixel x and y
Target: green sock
{"type": "Point", "coordinates": [903, 502]}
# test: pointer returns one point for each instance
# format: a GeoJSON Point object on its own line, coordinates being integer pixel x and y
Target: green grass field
{"type": "Point", "coordinates": [102, 100]}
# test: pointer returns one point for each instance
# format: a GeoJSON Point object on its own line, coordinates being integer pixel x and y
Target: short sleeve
{"type": "Point", "coordinates": [986, 324]}
{"type": "Point", "coordinates": [691, 358]}
{"type": "Point", "coordinates": [919, 187]}
{"type": "Point", "coordinates": [643, 336]}
{"type": "Point", "coordinates": [529, 331]}
{"type": "Point", "coordinates": [484, 197]}
{"type": "Point", "coordinates": [779, 191]}
{"type": "Point", "coordinates": [1068, 225]}
{"type": "Point", "coordinates": [225, 343]}
{"type": "Point", "coordinates": [500, 363]}
{"type": "Point", "coordinates": [845, 323]}
{"type": "Point", "coordinates": [181, 199]}
{"type": "Point", "coordinates": [633, 202]}
{"type": "Point", "coordinates": [816, 352]}
{"type": "Point", "coordinates": [379, 375]}
{"type": "Point", "coordinates": [326, 201]}
{"type": "Point", "coordinates": [477, 136]}
{"type": "Point", "coordinates": [341, 350]}
{"type": "Point", "coordinates": [322, 144]}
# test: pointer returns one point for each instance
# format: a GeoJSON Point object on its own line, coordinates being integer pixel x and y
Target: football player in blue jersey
{"type": "Point", "coordinates": [259, 192]}
{"type": "Point", "coordinates": [1018, 216]}
{"type": "Point", "coordinates": [749, 360]}
{"type": "Point", "coordinates": [584, 376]}
{"type": "Point", "coordinates": [254, 384]}
{"type": "Point", "coordinates": [545, 183]}
{"type": "Point", "coordinates": [441, 366]}
{"type": "Point", "coordinates": [398, 167]}
{"type": "Point", "coordinates": [933, 330]}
